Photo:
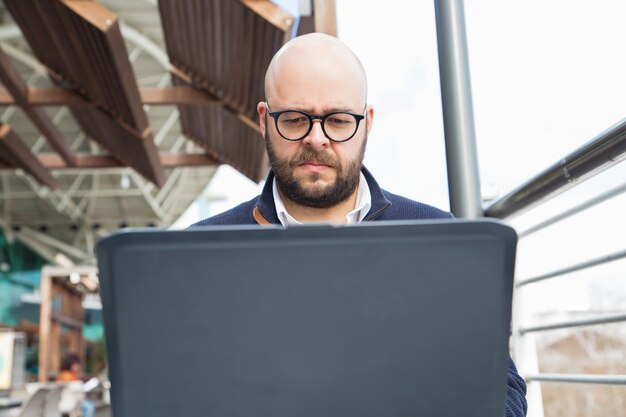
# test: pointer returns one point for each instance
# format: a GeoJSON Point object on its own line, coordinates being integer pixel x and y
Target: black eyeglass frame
{"type": "Point", "coordinates": [312, 117]}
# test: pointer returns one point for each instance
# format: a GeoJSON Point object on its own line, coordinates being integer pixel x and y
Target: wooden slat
{"type": "Point", "coordinates": [178, 160]}
{"type": "Point", "coordinates": [224, 50]}
{"type": "Point", "coordinates": [271, 12]}
{"type": "Point", "coordinates": [93, 12]}
{"type": "Point", "coordinates": [15, 152]}
{"type": "Point", "coordinates": [175, 95]}
{"type": "Point", "coordinates": [325, 16]}
{"type": "Point", "coordinates": [125, 72]}
{"type": "Point", "coordinates": [58, 96]}
{"type": "Point", "coordinates": [55, 96]}
{"type": "Point", "coordinates": [19, 91]}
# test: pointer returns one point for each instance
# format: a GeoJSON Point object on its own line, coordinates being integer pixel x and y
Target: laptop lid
{"type": "Point", "coordinates": [394, 319]}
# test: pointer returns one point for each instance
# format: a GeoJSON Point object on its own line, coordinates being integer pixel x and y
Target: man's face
{"type": "Point", "coordinates": [315, 171]}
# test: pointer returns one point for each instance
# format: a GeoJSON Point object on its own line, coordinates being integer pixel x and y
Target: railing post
{"type": "Point", "coordinates": [458, 117]}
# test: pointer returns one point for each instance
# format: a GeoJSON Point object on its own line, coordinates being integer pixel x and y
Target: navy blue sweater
{"type": "Point", "coordinates": [385, 206]}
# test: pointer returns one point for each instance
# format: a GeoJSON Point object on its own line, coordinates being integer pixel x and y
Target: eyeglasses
{"type": "Point", "coordinates": [296, 125]}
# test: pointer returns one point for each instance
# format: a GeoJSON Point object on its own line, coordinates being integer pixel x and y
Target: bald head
{"type": "Point", "coordinates": [310, 63]}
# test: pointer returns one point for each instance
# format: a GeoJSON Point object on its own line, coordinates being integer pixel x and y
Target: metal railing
{"type": "Point", "coordinates": [579, 379]}
{"type": "Point", "coordinates": [602, 152]}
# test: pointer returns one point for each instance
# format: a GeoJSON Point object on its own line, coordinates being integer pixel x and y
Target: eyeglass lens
{"type": "Point", "coordinates": [295, 125]}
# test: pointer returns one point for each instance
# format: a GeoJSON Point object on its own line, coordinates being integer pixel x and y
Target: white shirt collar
{"type": "Point", "coordinates": [361, 208]}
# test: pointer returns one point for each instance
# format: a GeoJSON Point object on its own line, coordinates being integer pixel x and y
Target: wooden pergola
{"type": "Point", "coordinates": [214, 54]}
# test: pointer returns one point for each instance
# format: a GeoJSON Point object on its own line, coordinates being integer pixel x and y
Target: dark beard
{"type": "Point", "coordinates": [345, 184]}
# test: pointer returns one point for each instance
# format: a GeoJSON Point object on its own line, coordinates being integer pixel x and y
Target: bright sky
{"type": "Point", "coordinates": [547, 76]}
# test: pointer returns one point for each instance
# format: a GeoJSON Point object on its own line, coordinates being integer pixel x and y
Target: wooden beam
{"type": "Point", "coordinates": [58, 96]}
{"type": "Point", "coordinates": [188, 160]}
{"type": "Point", "coordinates": [18, 89]}
{"type": "Point", "coordinates": [176, 95]}
{"type": "Point", "coordinates": [15, 152]}
{"type": "Point", "coordinates": [84, 161]}
{"type": "Point", "coordinates": [55, 96]}
{"type": "Point", "coordinates": [325, 16]}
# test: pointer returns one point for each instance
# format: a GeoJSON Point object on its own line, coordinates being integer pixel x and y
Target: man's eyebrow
{"type": "Point", "coordinates": [325, 111]}
{"type": "Point", "coordinates": [340, 109]}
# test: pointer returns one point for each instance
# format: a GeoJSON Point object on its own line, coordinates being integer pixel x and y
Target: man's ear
{"type": "Point", "coordinates": [261, 108]}
{"type": "Point", "coordinates": [369, 117]}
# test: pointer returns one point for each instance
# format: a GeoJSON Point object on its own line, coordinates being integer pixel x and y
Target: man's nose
{"type": "Point", "coordinates": [316, 137]}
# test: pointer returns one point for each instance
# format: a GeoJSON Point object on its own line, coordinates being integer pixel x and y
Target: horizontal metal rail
{"type": "Point", "coordinates": [579, 378]}
{"type": "Point", "coordinates": [602, 152]}
{"type": "Point", "coordinates": [615, 318]}
{"type": "Point", "coordinates": [577, 267]}
{"type": "Point", "coordinates": [574, 210]}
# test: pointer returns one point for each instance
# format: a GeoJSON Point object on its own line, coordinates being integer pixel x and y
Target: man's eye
{"type": "Point", "coordinates": [340, 120]}
{"type": "Point", "coordinates": [294, 120]}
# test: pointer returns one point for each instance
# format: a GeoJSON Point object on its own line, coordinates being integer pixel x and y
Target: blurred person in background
{"type": "Point", "coordinates": [75, 392]}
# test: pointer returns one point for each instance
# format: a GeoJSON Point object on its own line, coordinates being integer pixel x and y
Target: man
{"type": "Point", "coordinates": [315, 122]}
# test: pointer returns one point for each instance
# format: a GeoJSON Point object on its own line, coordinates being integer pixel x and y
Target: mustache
{"type": "Point", "coordinates": [308, 154]}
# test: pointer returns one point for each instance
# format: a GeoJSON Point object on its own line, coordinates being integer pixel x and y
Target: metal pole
{"type": "Point", "coordinates": [615, 318]}
{"type": "Point", "coordinates": [580, 378]}
{"type": "Point", "coordinates": [458, 116]}
{"type": "Point", "coordinates": [573, 268]}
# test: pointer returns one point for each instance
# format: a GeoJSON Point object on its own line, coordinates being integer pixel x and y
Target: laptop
{"type": "Point", "coordinates": [377, 319]}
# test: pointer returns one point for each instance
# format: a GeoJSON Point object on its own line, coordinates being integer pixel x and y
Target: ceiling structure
{"type": "Point", "coordinates": [117, 113]}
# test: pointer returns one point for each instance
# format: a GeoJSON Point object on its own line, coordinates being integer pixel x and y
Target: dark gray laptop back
{"type": "Point", "coordinates": [380, 319]}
